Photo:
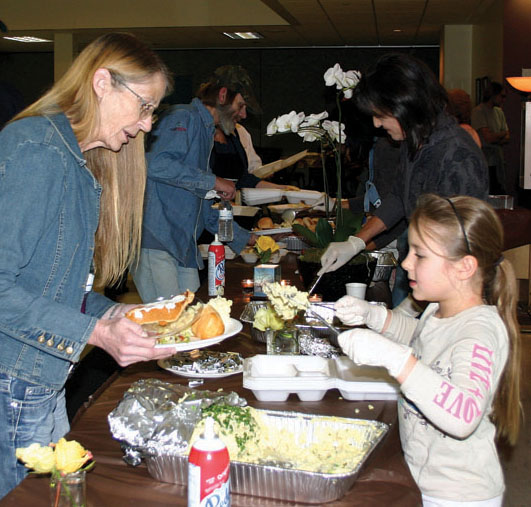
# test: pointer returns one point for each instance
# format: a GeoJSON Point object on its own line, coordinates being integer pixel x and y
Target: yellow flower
{"type": "Point", "coordinates": [39, 458]}
{"type": "Point", "coordinates": [264, 243]}
{"type": "Point", "coordinates": [70, 456]}
{"type": "Point", "coordinates": [267, 318]}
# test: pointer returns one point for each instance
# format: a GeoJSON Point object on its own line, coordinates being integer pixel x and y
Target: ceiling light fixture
{"type": "Point", "coordinates": [243, 35]}
{"type": "Point", "coordinates": [27, 38]}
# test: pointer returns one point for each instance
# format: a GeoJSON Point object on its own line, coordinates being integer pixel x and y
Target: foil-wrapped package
{"type": "Point", "coordinates": [156, 417]}
{"type": "Point", "coordinates": [312, 345]}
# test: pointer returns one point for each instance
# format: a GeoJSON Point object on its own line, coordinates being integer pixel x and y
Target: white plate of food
{"type": "Point", "coordinates": [268, 232]}
{"type": "Point", "coordinates": [203, 364]}
{"type": "Point", "coordinates": [234, 327]}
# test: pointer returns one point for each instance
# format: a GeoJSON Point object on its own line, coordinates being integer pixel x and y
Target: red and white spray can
{"type": "Point", "coordinates": [216, 268]}
{"type": "Point", "coordinates": [209, 470]}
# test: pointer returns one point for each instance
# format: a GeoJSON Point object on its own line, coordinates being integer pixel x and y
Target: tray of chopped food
{"type": "Point", "coordinates": [288, 456]}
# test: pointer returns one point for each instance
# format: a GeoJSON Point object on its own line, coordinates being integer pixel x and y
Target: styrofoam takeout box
{"type": "Point", "coordinates": [275, 377]}
{"type": "Point", "coordinates": [308, 196]}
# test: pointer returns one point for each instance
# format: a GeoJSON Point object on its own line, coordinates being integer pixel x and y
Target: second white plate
{"type": "Point", "coordinates": [234, 327]}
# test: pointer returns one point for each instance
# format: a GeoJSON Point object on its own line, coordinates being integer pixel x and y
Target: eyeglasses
{"type": "Point", "coordinates": [146, 109]}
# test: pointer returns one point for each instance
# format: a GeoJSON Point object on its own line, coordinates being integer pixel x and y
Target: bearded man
{"type": "Point", "coordinates": [181, 183]}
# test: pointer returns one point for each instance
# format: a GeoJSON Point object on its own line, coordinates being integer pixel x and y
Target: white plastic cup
{"type": "Point", "coordinates": [356, 289]}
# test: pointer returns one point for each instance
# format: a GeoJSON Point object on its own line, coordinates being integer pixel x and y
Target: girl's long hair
{"type": "Point", "coordinates": [121, 174]}
{"type": "Point", "coordinates": [435, 218]}
{"type": "Point", "coordinates": [404, 87]}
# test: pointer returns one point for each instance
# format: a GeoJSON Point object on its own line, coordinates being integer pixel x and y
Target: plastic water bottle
{"type": "Point", "coordinates": [216, 268]}
{"type": "Point", "coordinates": [209, 470]}
{"type": "Point", "coordinates": [225, 230]}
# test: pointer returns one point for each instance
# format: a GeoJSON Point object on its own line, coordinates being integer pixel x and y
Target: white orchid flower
{"type": "Point", "coordinates": [272, 127]}
{"type": "Point", "coordinates": [289, 122]}
{"type": "Point", "coordinates": [344, 81]}
{"type": "Point", "coordinates": [332, 127]}
{"type": "Point", "coordinates": [352, 77]}
{"type": "Point", "coordinates": [332, 74]}
{"type": "Point", "coordinates": [310, 136]}
{"type": "Point", "coordinates": [314, 119]}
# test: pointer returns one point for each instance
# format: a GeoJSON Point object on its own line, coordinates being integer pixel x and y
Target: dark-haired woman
{"type": "Point", "coordinates": [437, 156]}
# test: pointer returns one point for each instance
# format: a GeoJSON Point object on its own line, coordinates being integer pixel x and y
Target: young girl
{"type": "Point", "coordinates": [458, 365]}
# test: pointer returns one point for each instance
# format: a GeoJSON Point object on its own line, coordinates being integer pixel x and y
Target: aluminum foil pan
{"type": "Point", "coordinates": [385, 263]}
{"type": "Point", "coordinates": [277, 481]}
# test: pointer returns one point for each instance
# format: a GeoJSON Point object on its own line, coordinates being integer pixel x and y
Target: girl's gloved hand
{"type": "Point", "coordinates": [355, 312]}
{"type": "Point", "coordinates": [364, 346]}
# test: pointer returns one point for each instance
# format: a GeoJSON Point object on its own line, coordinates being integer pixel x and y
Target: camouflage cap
{"type": "Point", "coordinates": [236, 78]}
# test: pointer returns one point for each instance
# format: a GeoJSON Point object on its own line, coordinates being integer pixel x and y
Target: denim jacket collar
{"type": "Point", "coordinates": [63, 128]}
{"type": "Point", "coordinates": [204, 113]}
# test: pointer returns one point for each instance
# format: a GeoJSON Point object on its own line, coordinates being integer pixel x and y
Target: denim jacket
{"type": "Point", "coordinates": [49, 204]}
{"type": "Point", "coordinates": [179, 176]}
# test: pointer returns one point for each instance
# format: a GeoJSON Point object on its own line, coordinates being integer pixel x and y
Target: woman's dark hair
{"type": "Point", "coordinates": [401, 86]}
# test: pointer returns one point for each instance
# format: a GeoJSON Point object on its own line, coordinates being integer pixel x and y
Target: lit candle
{"type": "Point", "coordinates": [285, 283]}
{"type": "Point", "coordinates": [315, 298]}
{"type": "Point", "coordinates": [247, 286]}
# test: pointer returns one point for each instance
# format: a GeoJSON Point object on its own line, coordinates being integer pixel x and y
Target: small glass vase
{"type": "Point", "coordinates": [284, 341]}
{"type": "Point", "coordinates": [68, 490]}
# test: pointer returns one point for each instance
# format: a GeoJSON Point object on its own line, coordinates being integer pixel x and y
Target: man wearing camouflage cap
{"type": "Point", "coordinates": [180, 185]}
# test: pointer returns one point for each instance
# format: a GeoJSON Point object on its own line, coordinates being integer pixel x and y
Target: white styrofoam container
{"type": "Point", "coordinates": [256, 196]}
{"type": "Point", "coordinates": [275, 377]}
{"type": "Point", "coordinates": [308, 196]}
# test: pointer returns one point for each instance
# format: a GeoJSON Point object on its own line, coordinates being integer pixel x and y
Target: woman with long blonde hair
{"type": "Point", "coordinates": [459, 364]}
{"type": "Point", "coordinates": [72, 179]}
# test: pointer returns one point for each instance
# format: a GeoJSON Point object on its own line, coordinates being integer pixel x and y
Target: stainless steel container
{"type": "Point", "coordinates": [275, 481]}
{"type": "Point", "coordinates": [385, 263]}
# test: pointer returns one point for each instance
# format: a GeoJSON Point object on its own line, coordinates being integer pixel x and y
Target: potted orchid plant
{"type": "Point", "coordinates": [331, 136]}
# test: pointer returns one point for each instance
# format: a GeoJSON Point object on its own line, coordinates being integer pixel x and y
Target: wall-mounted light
{"type": "Point", "coordinates": [522, 84]}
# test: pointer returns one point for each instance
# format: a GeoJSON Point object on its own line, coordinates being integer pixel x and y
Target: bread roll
{"type": "Point", "coordinates": [209, 324]}
{"type": "Point", "coordinates": [161, 312]}
{"type": "Point", "coordinates": [265, 223]}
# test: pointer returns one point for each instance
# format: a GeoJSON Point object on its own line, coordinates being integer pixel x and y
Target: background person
{"type": "Point", "coordinates": [459, 365]}
{"type": "Point", "coordinates": [180, 180]}
{"type": "Point", "coordinates": [404, 98]}
{"type": "Point", "coordinates": [72, 186]}
{"type": "Point", "coordinates": [488, 119]}
{"type": "Point", "coordinates": [460, 106]}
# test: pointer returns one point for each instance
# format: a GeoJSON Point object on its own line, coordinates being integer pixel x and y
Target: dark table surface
{"type": "Point", "coordinates": [383, 480]}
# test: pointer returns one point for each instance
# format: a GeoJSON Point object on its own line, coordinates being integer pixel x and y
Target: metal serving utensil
{"type": "Point", "coordinates": [324, 321]}
{"type": "Point", "coordinates": [314, 284]}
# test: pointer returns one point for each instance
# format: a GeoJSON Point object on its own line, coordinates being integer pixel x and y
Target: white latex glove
{"type": "Point", "coordinates": [355, 312]}
{"type": "Point", "coordinates": [338, 254]}
{"type": "Point", "coordinates": [364, 346]}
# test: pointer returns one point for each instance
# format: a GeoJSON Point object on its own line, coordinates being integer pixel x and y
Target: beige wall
{"type": "Point", "coordinates": [472, 51]}
{"type": "Point", "coordinates": [456, 54]}
{"type": "Point", "coordinates": [487, 56]}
